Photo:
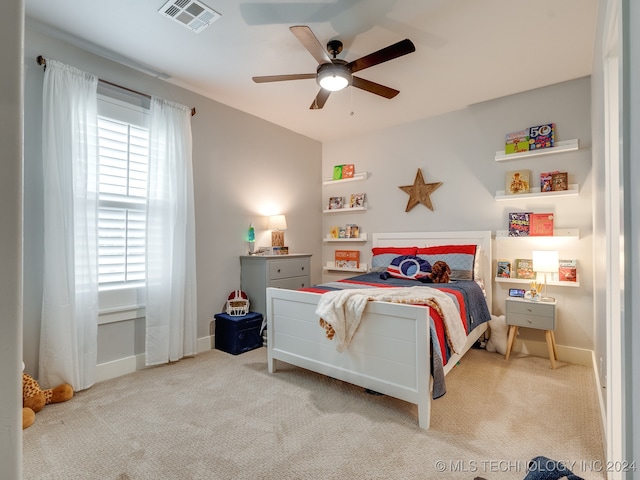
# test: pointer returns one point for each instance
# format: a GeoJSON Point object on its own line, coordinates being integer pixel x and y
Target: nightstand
{"type": "Point", "coordinates": [539, 315]}
{"type": "Point", "coordinates": [258, 272]}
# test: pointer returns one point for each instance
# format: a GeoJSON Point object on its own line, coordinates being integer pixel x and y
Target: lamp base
{"type": "Point", "coordinates": [548, 299]}
{"type": "Point", "coordinates": [277, 238]}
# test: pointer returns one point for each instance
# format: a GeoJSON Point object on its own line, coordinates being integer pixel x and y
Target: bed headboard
{"type": "Point", "coordinates": [424, 239]}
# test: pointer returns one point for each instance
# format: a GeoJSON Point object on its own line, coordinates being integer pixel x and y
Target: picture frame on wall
{"type": "Point", "coordinates": [336, 203]}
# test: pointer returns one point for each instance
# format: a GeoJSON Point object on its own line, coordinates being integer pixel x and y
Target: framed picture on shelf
{"type": "Point", "coordinates": [335, 203]}
{"type": "Point", "coordinates": [357, 200]}
{"type": "Point", "coordinates": [517, 181]}
{"type": "Point", "coordinates": [559, 181]}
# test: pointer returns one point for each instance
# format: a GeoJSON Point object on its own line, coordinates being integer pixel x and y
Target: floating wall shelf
{"type": "Point", "coordinates": [356, 178]}
{"type": "Point", "coordinates": [331, 267]}
{"type": "Point", "coordinates": [568, 233]}
{"type": "Point", "coordinates": [553, 283]}
{"type": "Point", "coordinates": [346, 209]}
{"type": "Point", "coordinates": [536, 193]}
{"type": "Point", "coordinates": [362, 238]}
{"type": "Point", "coordinates": [560, 147]}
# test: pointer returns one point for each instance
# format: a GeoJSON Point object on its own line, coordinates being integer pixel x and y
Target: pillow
{"type": "Point", "coordinates": [409, 267]}
{"type": "Point", "coordinates": [460, 258]}
{"type": "Point", "coordinates": [382, 256]}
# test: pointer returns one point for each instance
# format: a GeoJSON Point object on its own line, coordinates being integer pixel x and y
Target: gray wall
{"type": "Point", "coordinates": [11, 33]}
{"type": "Point", "coordinates": [458, 149]}
{"type": "Point", "coordinates": [244, 168]}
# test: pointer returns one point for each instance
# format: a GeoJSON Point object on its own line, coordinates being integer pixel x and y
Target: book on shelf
{"type": "Point", "coordinates": [519, 224]}
{"type": "Point", "coordinates": [540, 224]}
{"type": "Point", "coordinates": [524, 268]}
{"type": "Point", "coordinates": [542, 136]}
{"type": "Point", "coordinates": [352, 231]}
{"type": "Point", "coordinates": [334, 231]}
{"type": "Point", "coordinates": [348, 170]}
{"type": "Point", "coordinates": [567, 270]}
{"type": "Point", "coordinates": [337, 172]}
{"type": "Point", "coordinates": [546, 181]}
{"type": "Point", "coordinates": [335, 203]}
{"type": "Point", "coordinates": [517, 181]}
{"type": "Point", "coordinates": [503, 269]}
{"type": "Point", "coordinates": [559, 181]}
{"type": "Point", "coordinates": [517, 142]}
{"type": "Point", "coordinates": [347, 258]}
{"type": "Point", "coordinates": [357, 200]}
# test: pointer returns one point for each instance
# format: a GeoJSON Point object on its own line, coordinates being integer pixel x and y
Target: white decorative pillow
{"type": "Point", "coordinates": [499, 331]}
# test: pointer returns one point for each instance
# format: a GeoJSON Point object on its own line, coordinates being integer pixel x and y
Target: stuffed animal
{"type": "Point", "coordinates": [498, 340]}
{"type": "Point", "coordinates": [34, 398]}
{"type": "Point", "coordinates": [440, 272]}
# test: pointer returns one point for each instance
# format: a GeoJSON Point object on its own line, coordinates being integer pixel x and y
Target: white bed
{"type": "Point", "coordinates": [390, 351]}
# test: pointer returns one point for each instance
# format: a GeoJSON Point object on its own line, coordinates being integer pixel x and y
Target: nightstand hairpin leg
{"type": "Point", "coordinates": [551, 345]}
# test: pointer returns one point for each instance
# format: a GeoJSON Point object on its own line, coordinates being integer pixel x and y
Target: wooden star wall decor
{"type": "Point", "coordinates": [419, 192]}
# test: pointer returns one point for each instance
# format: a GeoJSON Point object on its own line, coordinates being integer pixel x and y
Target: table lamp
{"type": "Point", "coordinates": [277, 223]}
{"type": "Point", "coordinates": [545, 261]}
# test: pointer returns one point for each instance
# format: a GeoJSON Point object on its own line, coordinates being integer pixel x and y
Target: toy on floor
{"type": "Point", "coordinates": [34, 398]}
{"type": "Point", "coordinates": [498, 340]}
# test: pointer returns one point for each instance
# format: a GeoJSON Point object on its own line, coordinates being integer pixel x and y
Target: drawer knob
{"type": "Point", "coordinates": [278, 270]}
{"type": "Point", "coordinates": [303, 269]}
{"type": "Point", "coordinates": [529, 310]}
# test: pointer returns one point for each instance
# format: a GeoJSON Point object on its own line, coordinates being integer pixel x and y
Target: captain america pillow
{"type": "Point", "coordinates": [409, 267]}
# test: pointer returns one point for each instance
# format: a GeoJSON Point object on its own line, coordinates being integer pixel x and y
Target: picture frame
{"type": "Point", "coordinates": [336, 203]}
{"type": "Point", "coordinates": [356, 200]}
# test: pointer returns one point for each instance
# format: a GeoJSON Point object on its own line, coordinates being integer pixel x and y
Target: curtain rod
{"type": "Point", "coordinates": [43, 61]}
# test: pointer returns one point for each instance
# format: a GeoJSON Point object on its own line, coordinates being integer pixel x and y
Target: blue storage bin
{"type": "Point", "coordinates": [238, 334]}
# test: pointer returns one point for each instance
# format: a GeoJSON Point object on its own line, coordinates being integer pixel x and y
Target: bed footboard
{"type": "Point", "coordinates": [389, 354]}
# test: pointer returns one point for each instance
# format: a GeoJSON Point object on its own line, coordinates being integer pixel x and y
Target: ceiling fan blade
{"type": "Point", "coordinates": [320, 99]}
{"type": "Point", "coordinates": [396, 50]}
{"type": "Point", "coordinates": [373, 87]}
{"type": "Point", "coordinates": [280, 78]}
{"type": "Point", "coordinates": [311, 43]}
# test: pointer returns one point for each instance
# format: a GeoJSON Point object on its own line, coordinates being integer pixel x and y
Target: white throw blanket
{"type": "Point", "coordinates": [342, 309]}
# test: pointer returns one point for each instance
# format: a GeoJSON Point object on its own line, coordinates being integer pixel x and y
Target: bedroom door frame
{"type": "Point", "coordinates": [616, 420]}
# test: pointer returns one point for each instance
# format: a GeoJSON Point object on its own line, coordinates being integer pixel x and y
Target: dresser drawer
{"type": "Point", "coordinates": [288, 268]}
{"type": "Point", "coordinates": [291, 283]}
{"type": "Point", "coordinates": [531, 308]}
{"type": "Point", "coordinates": [531, 321]}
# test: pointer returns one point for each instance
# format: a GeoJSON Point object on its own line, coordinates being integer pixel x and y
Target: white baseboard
{"type": "Point", "coordinates": [577, 356]}
{"type": "Point", "coordinates": [123, 366]}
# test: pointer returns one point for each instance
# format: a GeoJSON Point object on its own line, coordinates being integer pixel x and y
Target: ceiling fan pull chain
{"type": "Point", "coordinates": [352, 113]}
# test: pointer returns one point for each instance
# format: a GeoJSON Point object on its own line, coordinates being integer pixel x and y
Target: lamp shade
{"type": "Point", "coordinates": [277, 222]}
{"type": "Point", "coordinates": [545, 261]}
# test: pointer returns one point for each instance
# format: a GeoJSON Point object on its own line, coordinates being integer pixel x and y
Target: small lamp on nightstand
{"type": "Point", "coordinates": [545, 261]}
{"type": "Point", "coordinates": [277, 223]}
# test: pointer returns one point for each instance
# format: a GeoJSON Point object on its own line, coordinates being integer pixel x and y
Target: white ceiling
{"type": "Point", "coordinates": [467, 51]}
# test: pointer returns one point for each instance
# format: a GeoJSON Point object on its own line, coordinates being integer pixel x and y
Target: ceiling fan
{"type": "Point", "coordinates": [334, 74]}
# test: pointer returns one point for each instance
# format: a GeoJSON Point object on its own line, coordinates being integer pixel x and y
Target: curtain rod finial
{"type": "Point", "coordinates": [41, 61]}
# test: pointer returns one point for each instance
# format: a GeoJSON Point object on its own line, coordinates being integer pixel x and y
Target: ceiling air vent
{"type": "Point", "coordinates": [194, 15]}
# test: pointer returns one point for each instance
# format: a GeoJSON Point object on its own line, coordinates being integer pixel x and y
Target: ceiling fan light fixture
{"type": "Point", "coordinates": [333, 77]}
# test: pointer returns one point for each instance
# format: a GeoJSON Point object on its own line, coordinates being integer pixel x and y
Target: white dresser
{"type": "Point", "coordinates": [258, 272]}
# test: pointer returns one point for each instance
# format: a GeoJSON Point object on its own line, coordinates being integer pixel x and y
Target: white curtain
{"type": "Point", "coordinates": [171, 271]}
{"type": "Point", "coordinates": [68, 338]}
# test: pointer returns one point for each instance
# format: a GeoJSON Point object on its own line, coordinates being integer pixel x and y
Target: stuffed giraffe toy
{"type": "Point", "coordinates": [34, 398]}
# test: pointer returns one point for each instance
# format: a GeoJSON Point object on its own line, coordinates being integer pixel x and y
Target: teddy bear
{"type": "Point", "coordinates": [34, 398]}
{"type": "Point", "coordinates": [498, 340]}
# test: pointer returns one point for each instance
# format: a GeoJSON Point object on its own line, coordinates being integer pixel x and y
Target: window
{"type": "Point", "coordinates": [123, 143]}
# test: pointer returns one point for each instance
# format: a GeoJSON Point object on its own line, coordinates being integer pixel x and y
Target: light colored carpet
{"type": "Point", "coordinates": [219, 416]}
